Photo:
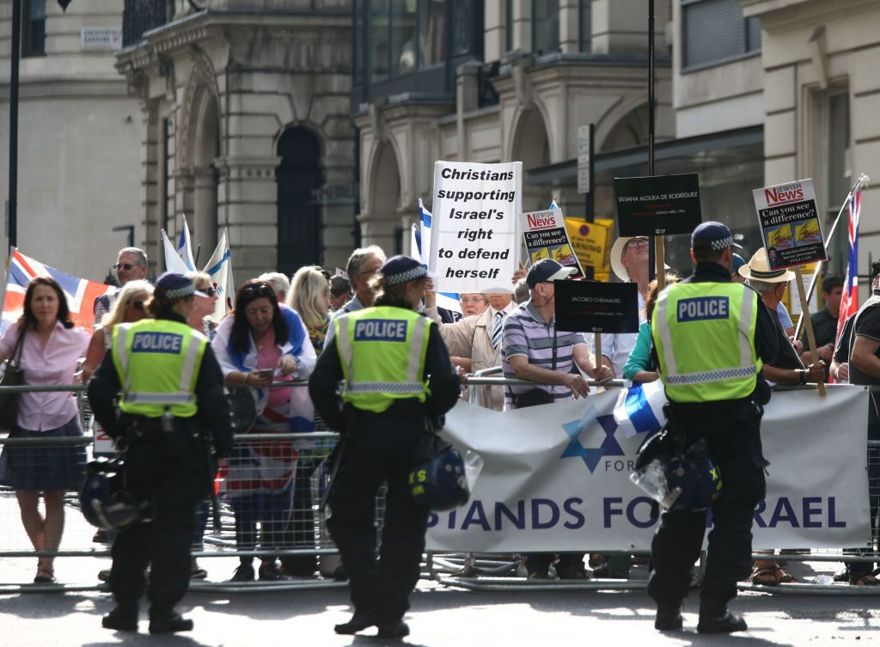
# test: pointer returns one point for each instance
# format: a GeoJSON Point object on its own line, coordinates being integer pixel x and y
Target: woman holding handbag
{"type": "Point", "coordinates": [50, 349]}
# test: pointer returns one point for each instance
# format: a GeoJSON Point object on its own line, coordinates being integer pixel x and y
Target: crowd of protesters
{"type": "Point", "coordinates": [279, 325]}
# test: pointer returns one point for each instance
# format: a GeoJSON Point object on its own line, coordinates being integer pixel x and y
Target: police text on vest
{"type": "Point", "coordinates": [156, 342]}
{"type": "Point", "coordinates": [380, 330]}
{"type": "Point", "coordinates": [703, 308]}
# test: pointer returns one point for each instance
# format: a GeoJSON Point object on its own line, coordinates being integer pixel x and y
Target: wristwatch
{"type": "Point", "coordinates": [802, 373]}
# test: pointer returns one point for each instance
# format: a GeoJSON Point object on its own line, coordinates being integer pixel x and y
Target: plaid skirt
{"type": "Point", "coordinates": [44, 467]}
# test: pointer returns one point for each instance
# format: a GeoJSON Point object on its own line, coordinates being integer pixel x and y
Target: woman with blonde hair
{"type": "Point", "coordinates": [309, 295]}
{"type": "Point", "coordinates": [202, 316]}
{"type": "Point", "coordinates": [128, 307]}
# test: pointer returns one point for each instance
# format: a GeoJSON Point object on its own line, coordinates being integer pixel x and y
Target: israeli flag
{"type": "Point", "coordinates": [219, 267]}
{"type": "Point", "coordinates": [639, 409]}
{"type": "Point", "coordinates": [420, 246]}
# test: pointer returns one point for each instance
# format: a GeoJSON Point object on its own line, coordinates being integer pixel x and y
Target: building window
{"type": "Point", "coordinates": [828, 140]}
{"type": "Point", "coordinates": [508, 25]}
{"type": "Point", "coordinates": [380, 39]}
{"type": "Point", "coordinates": [33, 33]}
{"type": "Point", "coordinates": [545, 26]}
{"type": "Point", "coordinates": [432, 20]}
{"type": "Point", "coordinates": [462, 26]}
{"type": "Point", "coordinates": [585, 24]}
{"type": "Point", "coordinates": [715, 31]}
{"type": "Point", "coordinates": [403, 36]}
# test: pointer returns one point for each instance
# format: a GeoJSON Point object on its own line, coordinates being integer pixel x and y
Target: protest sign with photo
{"type": "Point", "coordinates": [545, 235]}
{"type": "Point", "coordinates": [590, 241]}
{"type": "Point", "coordinates": [475, 237]}
{"type": "Point", "coordinates": [590, 306]}
{"type": "Point", "coordinates": [790, 225]}
{"type": "Point", "coordinates": [657, 205]}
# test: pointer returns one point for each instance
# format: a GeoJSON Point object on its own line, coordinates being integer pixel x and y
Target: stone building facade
{"type": "Point", "coordinates": [528, 75]}
{"type": "Point", "coordinates": [79, 136]}
{"type": "Point", "coordinates": [245, 108]}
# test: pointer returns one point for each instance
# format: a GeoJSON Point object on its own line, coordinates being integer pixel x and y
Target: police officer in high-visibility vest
{"type": "Point", "coordinates": [710, 338]}
{"type": "Point", "coordinates": [396, 376]}
{"type": "Point", "coordinates": [172, 415]}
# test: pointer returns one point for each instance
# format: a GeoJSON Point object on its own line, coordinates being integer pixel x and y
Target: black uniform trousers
{"type": "Point", "coordinates": [378, 448]}
{"type": "Point", "coordinates": [169, 469]}
{"type": "Point", "coordinates": [732, 432]}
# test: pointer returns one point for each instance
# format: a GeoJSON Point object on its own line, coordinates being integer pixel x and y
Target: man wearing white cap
{"type": "Point", "coordinates": [629, 262]}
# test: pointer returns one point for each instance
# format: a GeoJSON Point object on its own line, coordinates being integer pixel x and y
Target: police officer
{"type": "Point", "coordinates": [172, 414]}
{"type": "Point", "coordinates": [396, 375]}
{"type": "Point", "coordinates": [710, 338]}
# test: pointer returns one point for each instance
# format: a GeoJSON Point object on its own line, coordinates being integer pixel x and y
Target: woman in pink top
{"type": "Point", "coordinates": [50, 351]}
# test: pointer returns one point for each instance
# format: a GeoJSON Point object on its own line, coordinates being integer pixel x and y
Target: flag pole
{"type": "Point", "coordinates": [12, 250]}
{"type": "Point", "coordinates": [862, 181]}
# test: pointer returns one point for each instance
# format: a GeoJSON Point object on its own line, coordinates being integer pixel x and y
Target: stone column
{"type": "Point", "coordinates": [248, 207]}
{"type": "Point", "coordinates": [203, 217]}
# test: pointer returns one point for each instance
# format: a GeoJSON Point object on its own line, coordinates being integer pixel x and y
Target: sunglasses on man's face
{"type": "Point", "coordinates": [128, 267]}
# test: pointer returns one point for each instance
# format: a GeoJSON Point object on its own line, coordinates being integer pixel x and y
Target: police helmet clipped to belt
{"type": "Point", "coordinates": [439, 482]}
{"type": "Point", "coordinates": [676, 479]}
{"type": "Point", "coordinates": [104, 501]}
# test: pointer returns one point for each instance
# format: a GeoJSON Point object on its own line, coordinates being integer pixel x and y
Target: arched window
{"type": "Point", "coordinates": [299, 177]}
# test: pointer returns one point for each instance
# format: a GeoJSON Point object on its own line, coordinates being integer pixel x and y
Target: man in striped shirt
{"type": "Point", "coordinates": [532, 349]}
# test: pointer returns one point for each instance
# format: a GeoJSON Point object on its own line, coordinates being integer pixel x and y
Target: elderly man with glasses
{"type": "Point", "coordinates": [131, 265]}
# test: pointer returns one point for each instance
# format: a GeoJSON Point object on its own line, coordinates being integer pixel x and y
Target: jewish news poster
{"type": "Point", "coordinates": [590, 241]}
{"type": "Point", "coordinates": [658, 205]}
{"type": "Point", "coordinates": [789, 222]}
{"type": "Point", "coordinates": [545, 236]}
{"type": "Point", "coordinates": [475, 230]}
{"type": "Point", "coordinates": [589, 306]}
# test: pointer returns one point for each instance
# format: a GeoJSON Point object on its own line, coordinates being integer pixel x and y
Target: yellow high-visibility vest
{"type": "Point", "coordinates": [382, 351]}
{"type": "Point", "coordinates": [158, 364]}
{"type": "Point", "coordinates": [705, 339]}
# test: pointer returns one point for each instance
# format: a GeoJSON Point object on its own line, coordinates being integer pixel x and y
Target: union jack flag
{"type": "Point", "coordinates": [849, 302]}
{"type": "Point", "coordinates": [80, 293]}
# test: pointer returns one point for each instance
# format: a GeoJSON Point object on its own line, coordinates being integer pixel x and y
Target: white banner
{"type": "Point", "coordinates": [556, 477]}
{"type": "Point", "coordinates": [475, 225]}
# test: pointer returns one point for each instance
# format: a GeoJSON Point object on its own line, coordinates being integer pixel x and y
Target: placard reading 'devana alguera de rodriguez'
{"type": "Point", "coordinates": [657, 205]}
{"type": "Point", "coordinates": [475, 231]}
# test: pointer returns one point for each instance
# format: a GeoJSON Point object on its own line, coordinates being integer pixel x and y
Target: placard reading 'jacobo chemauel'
{"type": "Point", "coordinates": [475, 231]}
{"type": "Point", "coordinates": [657, 205]}
{"type": "Point", "coordinates": [790, 224]}
{"type": "Point", "coordinates": [589, 306]}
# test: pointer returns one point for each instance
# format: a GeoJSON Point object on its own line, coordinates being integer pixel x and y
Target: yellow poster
{"type": "Point", "coordinates": [591, 241]}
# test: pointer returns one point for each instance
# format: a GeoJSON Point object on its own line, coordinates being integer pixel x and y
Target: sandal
{"type": "Point", "coordinates": [772, 575]}
{"type": "Point", "coordinates": [864, 580]}
{"type": "Point", "coordinates": [45, 575]}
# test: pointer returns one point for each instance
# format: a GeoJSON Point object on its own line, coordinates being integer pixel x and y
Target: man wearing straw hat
{"type": "Point", "coordinates": [786, 368]}
{"type": "Point", "coordinates": [711, 337]}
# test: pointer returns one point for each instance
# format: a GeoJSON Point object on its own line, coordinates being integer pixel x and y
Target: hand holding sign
{"type": "Point", "coordinates": [792, 235]}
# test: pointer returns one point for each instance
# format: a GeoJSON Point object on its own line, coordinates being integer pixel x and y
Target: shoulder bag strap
{"type": "Point", "coordinates": [15, 358]}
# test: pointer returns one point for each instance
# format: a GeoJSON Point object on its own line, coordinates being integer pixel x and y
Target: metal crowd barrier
{"type": "Point", "coordinates": [289, 528]}
{"type": "Point", "coordinates": [307, 539]}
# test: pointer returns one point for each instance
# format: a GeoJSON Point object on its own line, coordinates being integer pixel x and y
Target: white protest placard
{"type": "Point", "coordinates": [475, 232]}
